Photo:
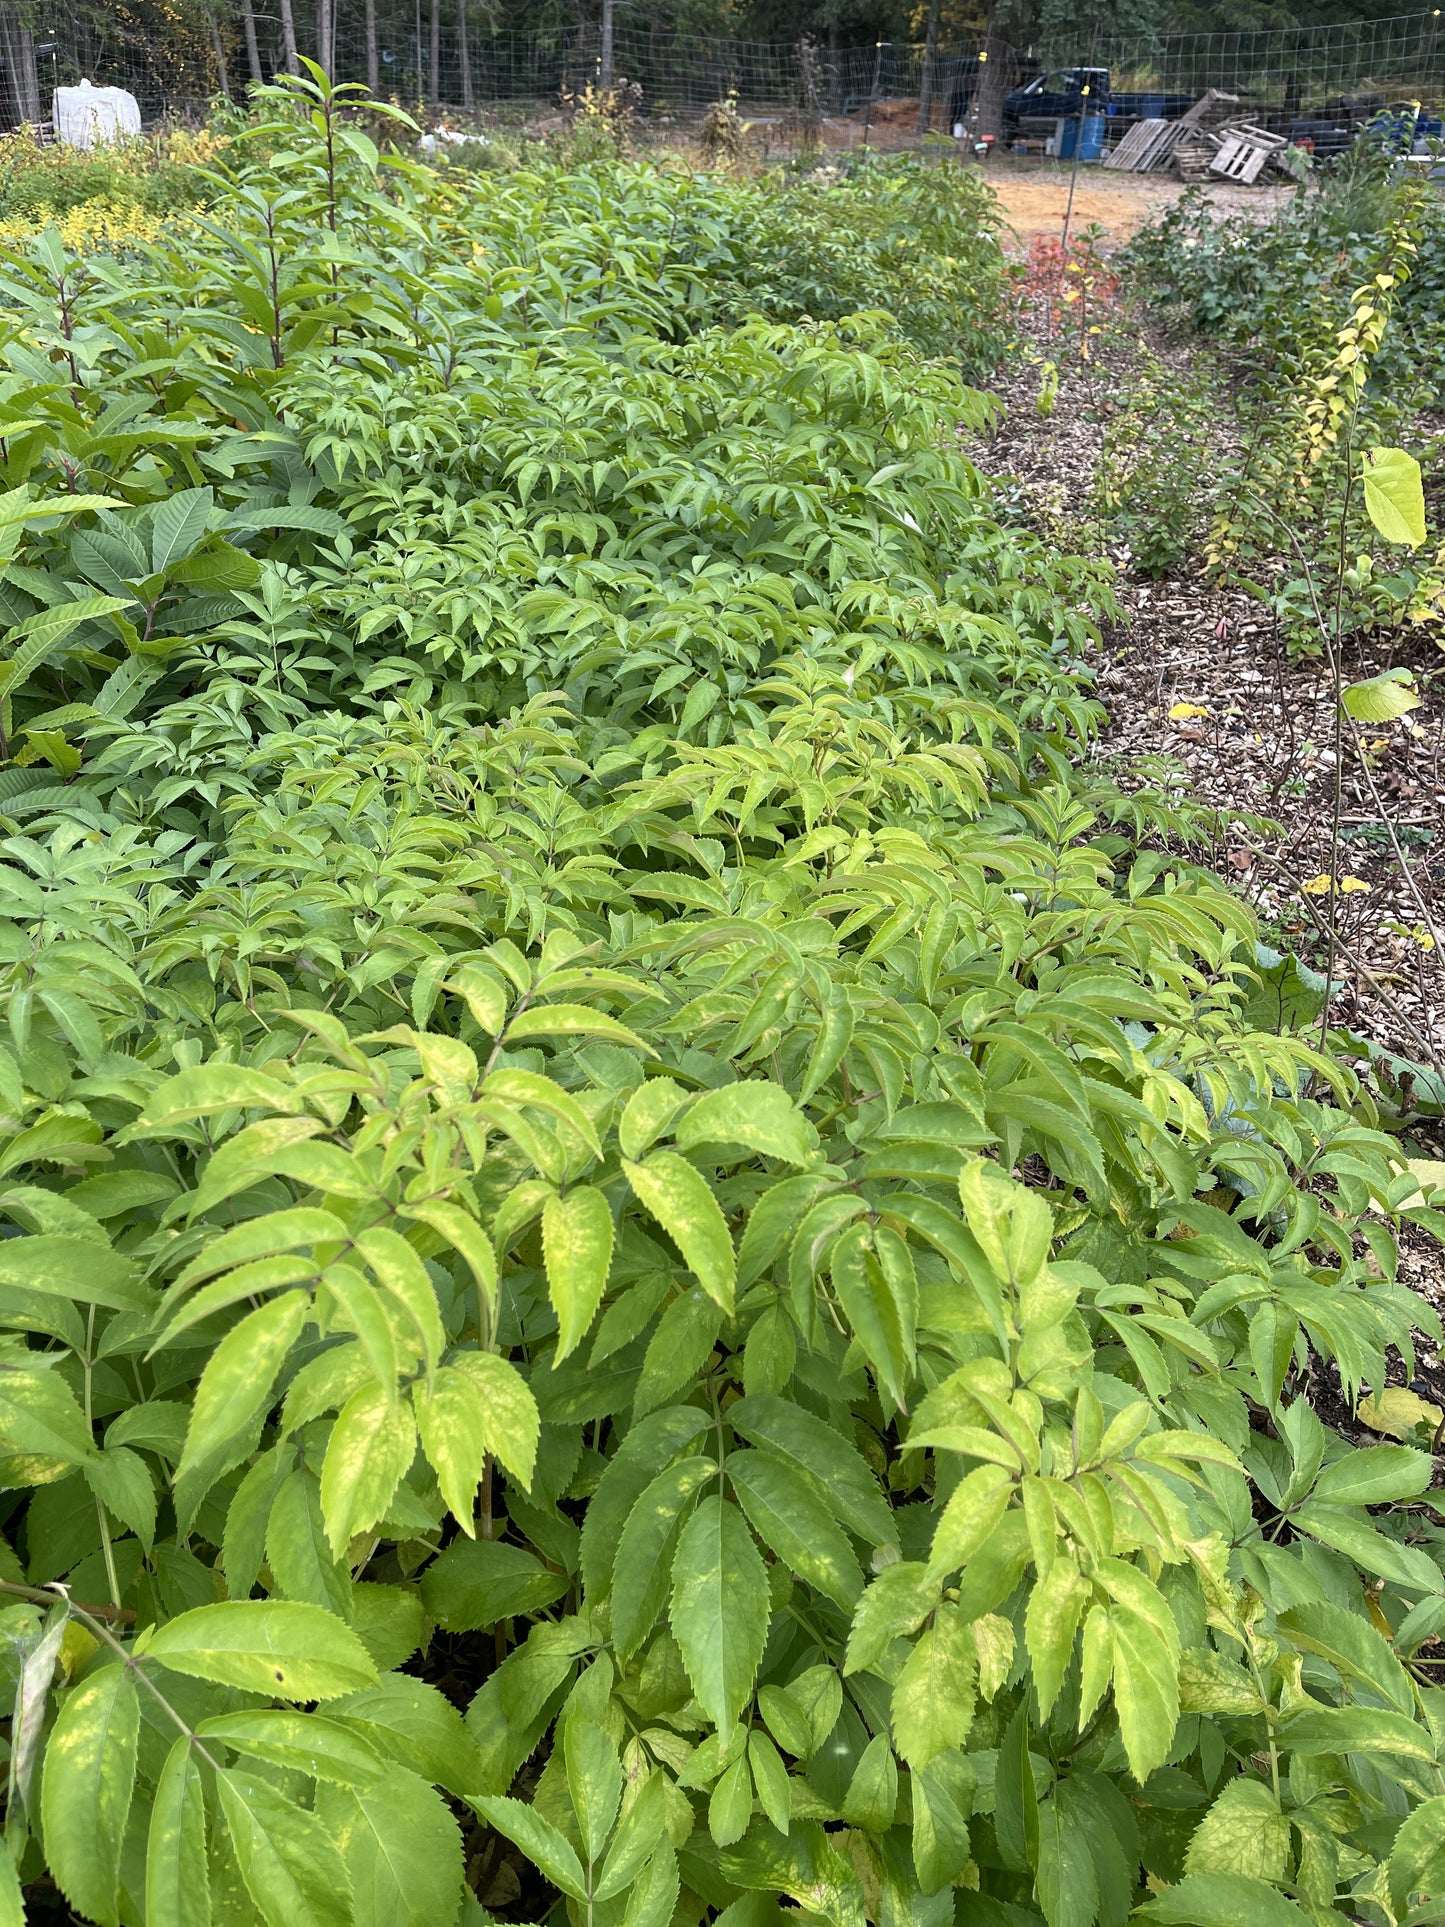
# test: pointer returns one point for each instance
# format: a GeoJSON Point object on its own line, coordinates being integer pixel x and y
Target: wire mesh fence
{"type": "Point", "coordinates": [437, 54]}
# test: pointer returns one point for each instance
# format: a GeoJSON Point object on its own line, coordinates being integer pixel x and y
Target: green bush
{"type": "Point", "coordinates": [658, 1273]}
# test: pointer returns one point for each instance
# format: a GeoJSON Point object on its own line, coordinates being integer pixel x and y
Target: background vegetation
{"type": "Point", "coordinates": [662, 1266]}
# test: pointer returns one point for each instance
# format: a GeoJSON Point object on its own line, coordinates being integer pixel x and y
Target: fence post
{"type": "Point", "coordinates": [604, 72]}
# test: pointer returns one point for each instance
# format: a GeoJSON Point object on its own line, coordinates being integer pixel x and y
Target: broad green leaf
{"type": "Point", "coordinates": [770, 1779]}
{"type": "Point", "coordinates": [731, 1806]}
{"type": "Point", "coordinates": [401, 1272]}
{"type": "Point", "coordinates": [881, 1305]}
{"type": "Point", "coordinates": [309, 1743]}
{"type": "Point", "coordinates": [1222, 1900]}
{"type": "Point", "coordinates": [1355, 1729]}
{"type": "Point", "coordinates": [653, 1899]}
{"type": "Point", "coordinates": [577, 1249]}
{"type": "Point", "coordinates": [720, 1609]}
{"type": "Point", "coordinates": [872, 1796]}
{"type": "Point", "coordinates": [179, 524]}
{"type": "Point", "coordinates": [39, 1414]}
{"type": "Point", "coordinates": [757, 1115]}
{"type": "Point", "coordinates": [509, 1411]}
{"type": "Point", "coordinates": [297, 1549]}
{"type": "Point", "coordinates": [285, 1649]}
{"type": "Point", "coordinates": [75, 1268]}
{"type": "Point", "coordinates": [1394, 495]}
{"type": "Point", "coordinates": [804, 1865]}
{"type": "Point", "coordinates": [371, 1447]}
{"type": "Point", "coordinates": [86, 1789]}
{"type": "Point", "coordinates": [1146, 1691]}
{"type": "Point", "coordinates": [789, 1514]}
{"type": "Point", "coordinates": [417, 1726]}
{"type": "Point", "coordinates": [678, 1197]}
{"type": "Point", "coordinates": [1373, 1475]}
{"type": "Point", "coordinates": [236, 1385]}
{"type": "Point", "coordinates": [896, 1603]}
{"type": "Point", "coordinates": [649, 1443]}
{"type": "Point", "coordinates": [790, 1432]}
{"type": "Point", "coordinates": [594, 1782]}
{"type": "Point", "coordinates": [933, 1696]}
{"type": "Point", "coordinates": [452, 1421]}
{"type": "Point", "coordinates": [1244, 1832]}
{"type": "Point", "coordinates": [1381, 699]}
{"type": "Point", "coordinates": [538, 1839]}
{"type": "Point", "coordinates": [402, 1848]}
{"type": "Point", "coordinates": [1417, 1857]}
{"type": "Point", "coordinates": [287, 1859]}
{"type": "Point", "coordinates": [636, 1839]}
{"type": "Point", "coordinates": [646, 1550]}
{"type": "Point", "coordinates": [1066, 1880]}
{"type": "Point", "coordinates": [178, 1876]}
{"type": "Point", "coordinates": [476, 1582]}
{"type": "Point", "coordinates": [970, 1518]}
{"type": "Point", "coordinates": [1051, 1619]}
{"type": "Point", "coordinates": [1352, 1646]}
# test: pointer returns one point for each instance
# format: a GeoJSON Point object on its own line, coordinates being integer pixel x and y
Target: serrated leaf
{"type": "Point", "coordinates": [646, 1549]}
{"type": "Point", "coordinates": [538, 1839]}
{"type": "Point", "coordinates": [371, 1448]}
{"type": "Point", "coordinates": [290, 1866]}
{"type": "Point", "coordinates": [720, 1609]}
{"type": "Point", "coordinates": [788, 1513]}
{"type": "Point", "coordinates": [402, 1848]}
{"type": "Point", "coordinates": [1244, 1832]}
{"type": "Point", "coordinates": [177, 1874]}
{"type": "Point", "coordinates": [678, 1196]}
{"type": "Point", "coordinates": [285, 1649]}
{"type": "Point", "coordinates": [86, 1789]}
{"type": "Point", "coordinates": [933, 1696]}
{"type": "Point", "coordinates": [577, 1242]}
{"type": "Point", "coordinates": [476, 1582]}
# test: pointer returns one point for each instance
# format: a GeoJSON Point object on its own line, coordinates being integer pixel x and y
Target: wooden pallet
{"type": "Point", "coordinates": [1212, 105]}
{"type": "Point", "coordinates": [1193, 153]}
{"type": "Point", "coordinates": [1240, 159]}
{"type": "Point", "coordinates": [1147, 146]}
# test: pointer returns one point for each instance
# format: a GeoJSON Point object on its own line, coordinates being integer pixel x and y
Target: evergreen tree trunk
{"type": "Point", "coordinates": [288, 39]}
{"type": "Point", "coordinates": [324, 36]}
{"type": "Point", "coordinates": [373, 58]}
{"type": "Point", "coordinates": [218, 48]}
{"type": "Point", "coordinates": [930, 54]}
{"type": "Point", "coordinates": [995, 75]}
{"type": "Point", "coordinates": [17, 48]}
{"type": "Point", "coordinates": [464, 56]}
{"type": "Point", "coordinates": [253, 50]}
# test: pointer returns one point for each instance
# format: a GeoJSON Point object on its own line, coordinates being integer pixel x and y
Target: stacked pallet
{"type": "Point", "coordinates": [1246, 151]}
{"type": "Point", "coordinates": [1150, 145]}
{"type": "Point", "coordinates": [1238, 151]}
{"type": "Point", "coordinates": [1146, 148]}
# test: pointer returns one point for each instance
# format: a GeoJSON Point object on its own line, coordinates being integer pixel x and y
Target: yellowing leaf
{"type": "Point", "coordinates": [1381, 699]}
{"type": "Point", "coordinates": [1186, 712]}
{"type": "Point", "coordinates": [1394, 496]}
{"type": "Point", "coordinates": [1397, 1412]}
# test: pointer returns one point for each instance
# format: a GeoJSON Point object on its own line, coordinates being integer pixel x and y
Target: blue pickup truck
{"type": "Point", "coordinates": [1059, 95]}
{"type": "Point", "coordinates": [1034, 105]}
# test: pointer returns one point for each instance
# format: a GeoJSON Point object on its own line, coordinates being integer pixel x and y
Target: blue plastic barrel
{"type": "Point", "coordinates": [1087, 133]}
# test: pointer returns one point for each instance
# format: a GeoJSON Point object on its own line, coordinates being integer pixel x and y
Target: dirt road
{"type": "Point", "coordinates": [1033, 195]}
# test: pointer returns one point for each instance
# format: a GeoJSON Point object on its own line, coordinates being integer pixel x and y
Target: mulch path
{"type": "Point", "coordinates": [1203, 701]}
